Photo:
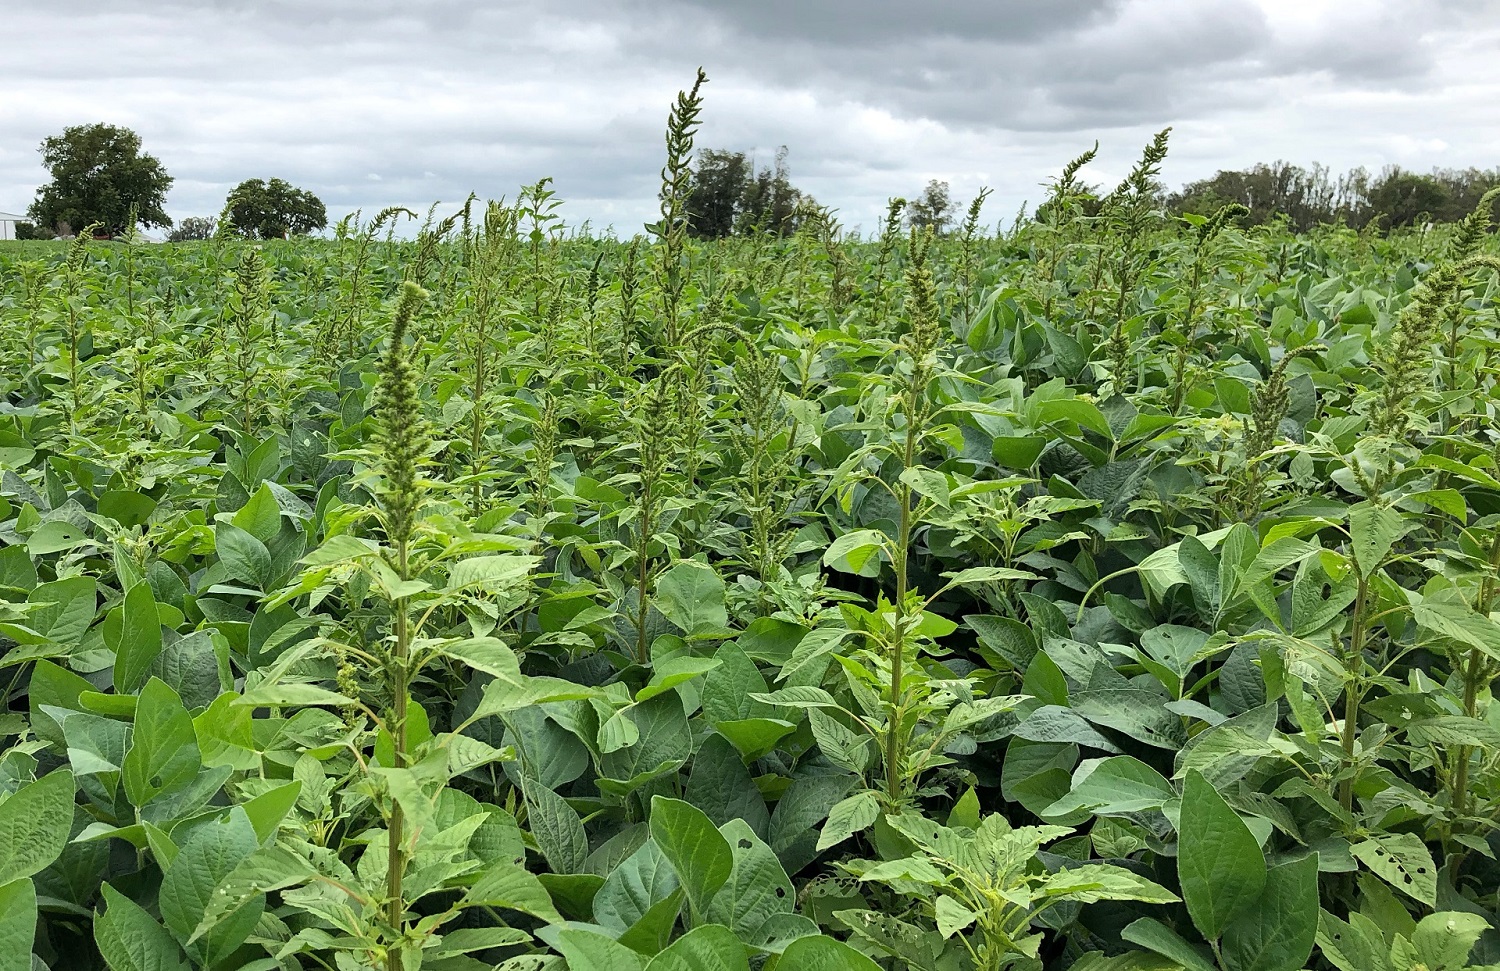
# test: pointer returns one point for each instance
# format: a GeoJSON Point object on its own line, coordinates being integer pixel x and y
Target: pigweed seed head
{"type": "Point", "coordinates": [1474, 227]}
{"type": "Point", "coordinates": [1067, 184]}
{"type": "Point", "coordinates": [676, 185]}
{"type": "Point", "coordinates": [78, 249]}
{"type": "Point", "coordinates": [1271, 402]}
{"type": "Point", "coordinates": [924, 329]}
{"type": "Point", "coordinates": [402, 432]}
{"type": "Point", "coordinates": [1218, 222]}
{"type": "Point", "coordinates": [655, 419]}
{"type": "Point", "coordinates": [1141, 182]}
{"type": "Point", "coordinates": [970, 229]}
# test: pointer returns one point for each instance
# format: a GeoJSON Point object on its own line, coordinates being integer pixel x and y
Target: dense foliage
{"type": "Point", "coordinates": [1116, 594]}
{"type": "Point", "coordinates": [729, 195]}
{"type": "Point", "coordinates": [100, 175]}
{"type": "Point", "coordinates": [274, 209]}
{"type": "Point", "coordinates": [1307, 197]}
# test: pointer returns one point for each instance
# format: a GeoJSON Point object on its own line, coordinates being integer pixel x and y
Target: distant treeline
{"type": "Point", "coordinates": [1310, 196]}
{"type": "Point", "coordinates": [731, 195]}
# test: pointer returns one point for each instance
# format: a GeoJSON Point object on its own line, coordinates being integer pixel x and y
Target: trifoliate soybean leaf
{"type": "Point", "coordinates": [694, 846]}
{"type": "Point", "coordinates": [757, 888]}
{"type": "Point", "coordinates": [139, 640]}
{"type": "Point", "coordinates": [163, 754]}
{"type": "Point", "coordinates": [1276, 933]}
{"type": "Point", "coordinates": [55, 536]}
{"type": "Point", "coordinates": [35, 821]}
{"type": "Point", "coordinates": [130, 940]}
{"type": "Point", "coordinates": [823, 954]}
{"type": "Point", "coordinates": [1220, 865]}
{"type": "Point", "coordinates": [691, 595]}
{"type": "Point", "coordinates": [18, 916]}
{"type": "Point", "coordinates": [640, 882]}
{"type": "Point", "coordinates": [711, 947]}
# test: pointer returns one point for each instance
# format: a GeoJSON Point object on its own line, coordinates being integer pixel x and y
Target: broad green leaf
{"type": "Point", "coordinates": [490, 574]}
{"type": "Point", "coordinates": [130, 940]}
{"type": "Point", "coordinates": [643, 880]}
{"type": "Point", "coordinates": [858, 550]}
{"type": "Point", "coordinates": [691, 595]}
{"type": "Point", "coordinates": [267, 810]}
{"type": "Point", "coordinates": [695, 848]}
{"type": "Point", "coordinates": [291, 694]}
{"type": "Point", "coordinates": [823, 954]}
{"type": "Point", "coordinates": [139, 639]}
{"type": "Point", "coordinates": [68, 607]}
{"type": "Point", "coordinates": [952, 916]}
{"type": "Point", "coordinates": [510, 886]}
{"type": "Point", "coordinates": [755, 737]}
{"type": "Point", "coordinates": [674, 671]}
{"type": "Point", "coordinates": [163, 752]}
{"type": "Point", "coordinates": [18, 916]}
{"type": "Point", "coordinates": [245, 558]}
{"type": "Point", "coordinates": [586, 950]}
{"type": "Point", "coordinates": [35, 822]}
{"type": "Point", "coordinates": [1219, 863]}
{"type": "Point", "coordinates": [1277, 931]}
{"type": "Point", "coordinates": [1459, 623]}
{"type": "Point", "coordinates": [487, 654]}
{"type": "Point", "coordinates": [727, 688]}
{"type": "Point", "coordinates": [794, 823]}
{"type": "Point", "coordinates": [1092, 882]}
{"type": "Point", "coordinates": [1354, 946]}
{"type": "Point", "coordinates": [467, 939]}
{"type": "Point", "coordinates": [708, 948]}
{"type": "Point", "coordinates": [1403, 861]}
{"type": "Point", "coordinates": [853, 815]}
{"type": "Point", "coordinates": [722, 787]}
{"type": "Point", "coordinates": [1444, 940]}
{"type": "Point", "coordinates": [1373, 530]}
{"type": "Point", "coordinates": [1114, 787]}
{"type": "Point", "coordinates": [1018, 451]}
{"type": "Point", "coordinates": [1150, 933]}
{"type": "Point", "coordinates": [557, 829]}
{"type": "Point", "coordinates": [206, 860]}
{"type": "Point", "coordinates": [757, 888]}
{"type": "Point", "coordinates": [55, 536]}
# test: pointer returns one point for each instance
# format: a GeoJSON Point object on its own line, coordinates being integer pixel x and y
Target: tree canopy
{"type": "Point", "coordinates": [729, 195]}
{"type": "Point", "coordinates": [934, 208]}
{"type": "Point", "coordinates": [193, 229]}
{"type": "Point", "coordinates": [274, 209]}
{"type": "Point", "coordinates": [1310, 196]}
{"type": "Point", "coordinates": [98, 173]}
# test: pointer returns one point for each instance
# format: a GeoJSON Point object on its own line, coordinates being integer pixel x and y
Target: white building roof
{"type": "Point", "coordinates": [11, 217]}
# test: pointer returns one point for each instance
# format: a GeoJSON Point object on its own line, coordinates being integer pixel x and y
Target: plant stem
{"type": "Point", "coordinates": [395, 831]}
{"type": "Point", "coordinates": [893, 739]}
{"type": "Point", "coordinates": [643, 570]}
{"type": "Point", "coordinates": [1353, 662]}
{"type": "Point", "coordinates": [1473, 673]}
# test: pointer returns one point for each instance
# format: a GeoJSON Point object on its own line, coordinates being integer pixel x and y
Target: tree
{"type": "Point", "coordinates": [33, 231]}
{"type": "Point", "coordinates": [98, 173]}
{"type": "Point", "coordinates": [274, 210]}
{"type": "Point", "coordinates": [1406, 198]}
{"type": "Point", "coordinates": [770, 202]}
{"type": "Point", "coordinates": [933, 208]}
{"type": "Point", "coordinates": [729, 195]}
{"type": "Point", "coordinates": [193, 228]}
{"type": "Point", "coordinates": [719, 181]}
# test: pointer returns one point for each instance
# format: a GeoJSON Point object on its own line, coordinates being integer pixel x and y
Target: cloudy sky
{"type": "Point", "coordinates": [376, 102]}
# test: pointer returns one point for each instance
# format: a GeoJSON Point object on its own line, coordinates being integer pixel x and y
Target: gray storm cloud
{"type": "Point", "coordinates": [373, 102]}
